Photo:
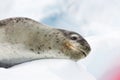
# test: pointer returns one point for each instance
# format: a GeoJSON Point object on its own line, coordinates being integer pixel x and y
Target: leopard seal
{"type": "Point", "coordinates": [23, 39]}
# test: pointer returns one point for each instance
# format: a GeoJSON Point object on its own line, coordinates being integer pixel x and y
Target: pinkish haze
{"type": "Point", "coordinates": [113, 74]}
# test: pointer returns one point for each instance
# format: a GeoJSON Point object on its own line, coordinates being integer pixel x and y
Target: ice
{"type": "Point", "coordinates": [47, 69]}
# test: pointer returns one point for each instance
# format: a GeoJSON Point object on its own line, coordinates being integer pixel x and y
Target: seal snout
{"type": "Point", "coordinates": [85, 46]}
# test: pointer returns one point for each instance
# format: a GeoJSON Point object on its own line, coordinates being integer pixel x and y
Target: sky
{"type": "Point", "coordinates": [96, 20]}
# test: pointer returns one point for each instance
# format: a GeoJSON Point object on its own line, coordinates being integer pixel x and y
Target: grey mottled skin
{"type": "Point", "coordinates": [23, 40]}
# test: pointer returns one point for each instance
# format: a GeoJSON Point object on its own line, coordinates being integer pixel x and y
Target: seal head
{"type": "Point", "coordinates": [75, 45]}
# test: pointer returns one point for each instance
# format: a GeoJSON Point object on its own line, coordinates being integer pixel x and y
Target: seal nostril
{"type": "Point", "coordinates": [85, 45]}
{"type": "Point", "coordinates": [82, 42]}
{"type": "Point", "coordinates": [87, 48]}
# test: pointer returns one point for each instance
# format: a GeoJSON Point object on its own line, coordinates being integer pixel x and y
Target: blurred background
{"type": "Point", "coordinates": [96, 20]}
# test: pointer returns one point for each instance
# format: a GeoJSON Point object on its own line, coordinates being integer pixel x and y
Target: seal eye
{"type": "Point", "coordinates": [74, 37]}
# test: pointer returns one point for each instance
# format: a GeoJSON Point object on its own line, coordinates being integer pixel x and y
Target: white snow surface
{"type": "Point", "coordinates": [47, 69]}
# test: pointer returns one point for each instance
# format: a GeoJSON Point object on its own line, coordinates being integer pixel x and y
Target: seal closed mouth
{"type": "Point", "coordinates": [84, 53]}
{"type": "Point", "coordinates": [72, 47]}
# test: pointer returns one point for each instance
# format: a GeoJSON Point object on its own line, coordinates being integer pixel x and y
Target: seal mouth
{"type": "Point", "coordinates": [83, 52]}
{"type": "Point", "coordinates": [72, 47]}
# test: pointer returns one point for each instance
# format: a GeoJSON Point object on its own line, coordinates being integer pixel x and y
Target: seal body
{"type": "Point", "coordinates": [23, 40]}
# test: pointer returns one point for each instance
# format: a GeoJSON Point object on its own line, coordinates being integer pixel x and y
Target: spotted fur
{"type": "Point", "coordinates": [23, 40]}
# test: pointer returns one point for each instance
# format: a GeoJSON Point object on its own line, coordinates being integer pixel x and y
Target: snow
{"type": "Point", "coordinates": [96, 20]}
{"type": "Point", "coordinates": [52, 69]}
